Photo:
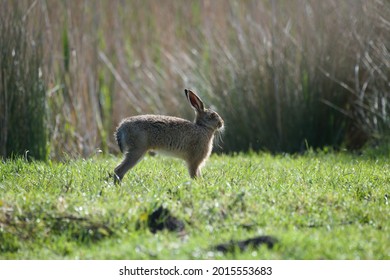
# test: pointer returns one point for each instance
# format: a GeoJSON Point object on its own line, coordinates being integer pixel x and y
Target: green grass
{"type": "Point", "coordinates": [319, 206]}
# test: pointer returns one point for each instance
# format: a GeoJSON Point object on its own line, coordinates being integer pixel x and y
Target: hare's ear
{"type": "Point", "coordinates": [194, 100]}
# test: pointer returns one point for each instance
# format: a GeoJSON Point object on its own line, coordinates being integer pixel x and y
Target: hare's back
{"type": "Point", "coordinates": [150, 122]}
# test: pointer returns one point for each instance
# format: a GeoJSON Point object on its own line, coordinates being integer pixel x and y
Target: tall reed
{"type": "Point", "coordinates": [23, 129]}
{"type": "Point", "coordinates": [283, 74]}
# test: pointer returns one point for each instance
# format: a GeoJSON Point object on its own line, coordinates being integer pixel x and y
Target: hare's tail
{"type": "Point", "coordinates": [119, 140]}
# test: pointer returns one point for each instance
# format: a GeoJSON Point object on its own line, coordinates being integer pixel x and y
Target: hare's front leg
{"type": "Point", "coordinates": [132, 157]}
{"type": "Point", "coordinates": [194, 169]}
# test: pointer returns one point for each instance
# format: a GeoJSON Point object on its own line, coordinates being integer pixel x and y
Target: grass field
{"type": "Point", "coordinates": [319, 206]}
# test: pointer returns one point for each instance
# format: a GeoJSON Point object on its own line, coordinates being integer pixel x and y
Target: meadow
{"type": "Point", "coordinates": [295, 81]}
{"type": "Point", "coordinates": [320, 205]}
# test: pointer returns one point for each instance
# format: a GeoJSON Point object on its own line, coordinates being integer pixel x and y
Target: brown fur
{"type": "Point", "coordinates": [190, 141]}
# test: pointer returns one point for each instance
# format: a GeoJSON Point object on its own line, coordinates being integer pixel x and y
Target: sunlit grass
{"type": "Point", "coordinates": [319, 206]}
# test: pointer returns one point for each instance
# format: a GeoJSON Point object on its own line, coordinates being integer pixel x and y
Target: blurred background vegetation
{"type": "Point", "coordinates": [284, 75]}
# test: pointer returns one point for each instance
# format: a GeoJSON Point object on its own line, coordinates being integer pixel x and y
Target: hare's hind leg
{"type": "Point", "coordinates": [132, 157]}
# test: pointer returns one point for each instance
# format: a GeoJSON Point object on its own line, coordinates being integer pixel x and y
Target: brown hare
{"type": "Point", "coordinates": [191, 141]}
